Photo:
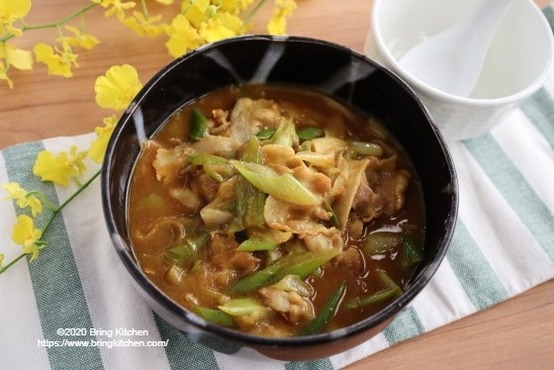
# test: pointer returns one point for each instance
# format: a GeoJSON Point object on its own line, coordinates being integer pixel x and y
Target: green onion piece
{"type": "Point", "coordinates": [369, 149]}
{"type": "Point", "coordinates": [301, 264]}
{"type": "Point", "coordinates": [252, 151]}
{"type": "Point", "coordinates": [381, 242]}
{"type": "Point", "coordinates": [175, 275]}
{"type": "Point", "coordinates": [386, 279]}
{"type": "Point", "coordinates": [185, 254]}
{"type": "Point", "coordinates": [285, 187]}
{"type": "Point", "coordinates": [216, 316]}
{"type": "Point", "coordinates": [411, 251]}
{"type": "Point", "coordinates": [334, 218]}
{"type": "Point", "coordinates": [285, 134]}
{"type": "Point", "coordinates": [218, 168]}
{"type": "Point", "coordinates": [257, 243]}
{"type": "Point", "coordinates": [250, 201]}
{"type": "Point", "coordinates": [244, 307]}
{"type": "Point", "coordinates": [323, 318]}
{"type": "Point", "coordinates": [265, 134]}
{"type": "Point", "coordinates": [380, 296]}
{"type": "Point", "coordinates": [182, 255]}
{"type": "Point", "coordinates": [392, 290]}
{"type": "Point", "coordinates": [309, 133]}
{"type": "Point", "coordinates": [153, 201]}
{"type": "Point", "coordinates": [254, 281]}
{"type": "Point", "coordinates": [199, 127]}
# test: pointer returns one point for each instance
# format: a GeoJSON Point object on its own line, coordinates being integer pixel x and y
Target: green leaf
{"type": "Point", "coordinates": [285, 187]}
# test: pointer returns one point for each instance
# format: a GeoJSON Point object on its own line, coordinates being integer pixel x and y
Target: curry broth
{"type": "Point", "coordinates": [149, 201]}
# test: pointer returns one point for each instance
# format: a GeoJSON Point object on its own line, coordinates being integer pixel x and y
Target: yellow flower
{"type": "Point", "coordinates": [98, 147]}
{"type": "Point", "coordinates": [17, 58]}
{"type": "Point", "coordinates": [24, 233]}
{"type": "Point", "coordinates": [182, 36]}
{"type": "Point", "coordinates": [79, 39]}
{"type": "Point", "coordinates": [235, 6]}
{"type": "Point", "coordinates": [23, 198]}
{"type": "Point", "coordinates": [231, 22]}
{"type": "Point", "coordinates": [59, 169]}
{"type": "Point", "coordinates": [278, 23]}
{"type": "Point", "coordinates": [117, 87]}
{"type": "Point", "coordinates": [11, 11]}
{"type": "Point", "coordinates": [195, 11]}
{"type": "Point", "coordinates": [59, 63]}
{"type": "Point", "coordinates": [115, 7]}
{"type": "Point", "coordinates": [165, 2]}
{"type": "Point", "coordinates": [144, 26]}
{"type": "Point", "coordinates": [1, 260]}
{"type": "Point", "coordinates": [213, 30]}
{"type": "Point", "coordinates": [4, 75]}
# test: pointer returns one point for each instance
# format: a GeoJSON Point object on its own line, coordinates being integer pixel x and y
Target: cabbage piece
{"type": "Point", "coordinates": [249, 116]}
{"type": "Point", "coordinates": [217, 145]}
{"type": "Point", "coordinates": [301, 220]}
{"type": "Point", "coordinates": [321, 160]}
{"type": "Point", "coordinates": [352, 172]}
{"type": "Point", "coordinates": [169, 162]}
{"type": "Point", "coordinates": [290, 298]}
{"type": "Point", "coordinates": [328, 144]}
{"type": "Point", "coordinates": [218, 212]}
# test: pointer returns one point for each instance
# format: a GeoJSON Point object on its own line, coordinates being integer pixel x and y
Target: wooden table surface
{"type": "Point", "coordinates": [516, 334]}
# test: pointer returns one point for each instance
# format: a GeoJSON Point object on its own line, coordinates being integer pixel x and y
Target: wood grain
{"type": "Point", "coordinates": [517, 334]}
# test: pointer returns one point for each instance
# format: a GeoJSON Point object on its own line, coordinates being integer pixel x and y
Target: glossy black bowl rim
{"type": "Point", "coordinates": [420, 281]}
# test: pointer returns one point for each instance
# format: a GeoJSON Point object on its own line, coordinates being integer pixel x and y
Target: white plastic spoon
{"type": "Point", "coordinates": [452, 60]}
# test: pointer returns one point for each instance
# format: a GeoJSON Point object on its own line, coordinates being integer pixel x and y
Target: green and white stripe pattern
{"type": "Point", "coordinates": [502, 246]}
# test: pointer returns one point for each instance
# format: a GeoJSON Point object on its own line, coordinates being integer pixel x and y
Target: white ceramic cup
{"type": "Point", "coordinates": [517, 64]}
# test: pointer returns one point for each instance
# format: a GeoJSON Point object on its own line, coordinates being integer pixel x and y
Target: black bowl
{"type": "Point", "coordinates": [332, 69]}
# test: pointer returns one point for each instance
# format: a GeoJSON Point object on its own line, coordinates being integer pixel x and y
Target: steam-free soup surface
{"type": "Point", "coordinates": [276, 211]}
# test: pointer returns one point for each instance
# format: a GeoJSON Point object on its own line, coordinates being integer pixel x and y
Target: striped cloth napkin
{"type": "Point", "coordinates": [79, 291]}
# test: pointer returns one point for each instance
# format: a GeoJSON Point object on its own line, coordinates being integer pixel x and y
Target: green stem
{"type": "Point", "coordinates": [55, 212]}
{"type": "Point", "coordinates": [68, 200]}
{"type": "Point", "coordinates": [4, 268]}
{"type": "Point", "coordinates": [144, 8]}
{"type": "Point", "coordinates": [6, 61]}
{"type": "Point", "coordinates": [253, 12]}
{"type": "Point", "coordinates": [53, 24]}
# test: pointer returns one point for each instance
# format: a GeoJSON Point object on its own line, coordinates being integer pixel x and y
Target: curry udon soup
{"type": "Point", "coordinates": [275, 210]}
